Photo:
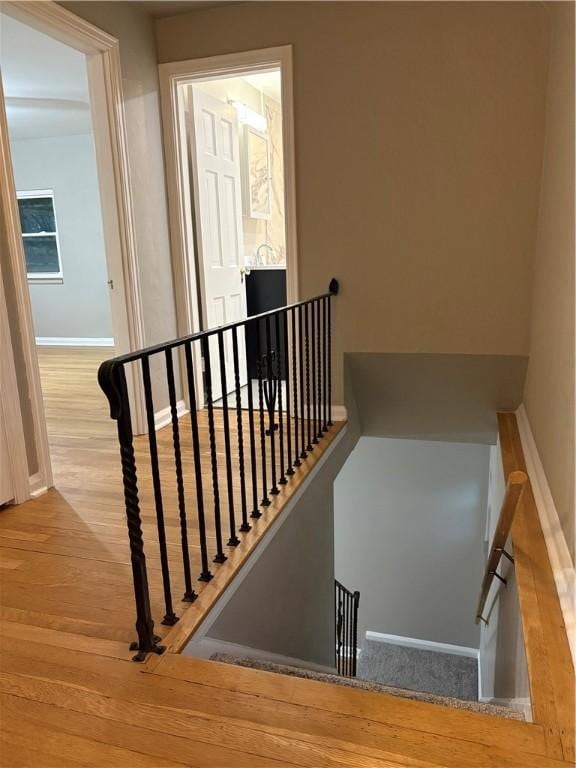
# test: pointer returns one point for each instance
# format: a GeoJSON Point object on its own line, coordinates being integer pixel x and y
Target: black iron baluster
{"type": "Point", "coordinates": [270, 391]}
{"type": "Point", "coordinates": [350, 624]}
{"type": "Point", "coordinates": [220, 556]}
{"type": "Point", "coordinates": [259, 366]}
{"type": "Point", "coordinates": [325, 366]}
{"type": "Point", "coordinates": [355, 630]}
{"type": "Point", "coordinates": [205, 574]}
{"type": "Point", "coordinates": [280, 359]}
{"type": "Point", "coordinates": [339, 622]}
{"type": "Point", "coordinates": [319, 425]}
{"type": "Point", "coordinates": [233, 541]}
{"type": "Point", "coordinates": [112, 379]}
{"type": "Point", "coordinates": [309, 445]}
{"type": "Point", "coordinates": [189, 594]}
{"type": "Point", "coordinates": [297, 461]}
{"type": "Point", "coordinates": [289, 468]}
{"type": "Point", "coordinates": [253, 468]}
{"type": "Point", "coordinates": [170, 617]}
{"type": "Point", "coordinates": [303, 453]}
{"type": "Point", "coordinates": [313, 366]}
{"type": "Point", "coordinates": [329, 338]}
{"type": "Point", "coordinates": [345, 645]}
{"type": "Point", "coordinates": [245, 526]}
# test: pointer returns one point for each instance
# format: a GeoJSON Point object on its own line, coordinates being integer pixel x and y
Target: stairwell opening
{"type": "Point", "coordinates": [413, 521]}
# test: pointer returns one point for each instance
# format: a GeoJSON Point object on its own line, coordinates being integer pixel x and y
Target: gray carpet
{"type": "Point", "coordinates": [442, 674]}
{"type": "Point", "coordinates": [307, 674]}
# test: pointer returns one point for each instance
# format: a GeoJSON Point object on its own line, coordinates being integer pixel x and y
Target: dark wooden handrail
{"type": "Point", "coordinates": [514, 490]}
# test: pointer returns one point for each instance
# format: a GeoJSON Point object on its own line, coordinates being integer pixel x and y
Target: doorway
{"type": "Point", "coordinates": [68, 211]}
{"type": "Point", "coordinates": [229, 142]}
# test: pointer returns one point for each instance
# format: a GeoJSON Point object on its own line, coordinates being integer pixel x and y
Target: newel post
{"type": "Point", "coordinates": [112, 380]}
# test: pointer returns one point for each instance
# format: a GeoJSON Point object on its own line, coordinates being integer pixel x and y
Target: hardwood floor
{"type": "Point", "coordinates": [79, 526]}
{"type": "Point", "coordinates": [70, 695]}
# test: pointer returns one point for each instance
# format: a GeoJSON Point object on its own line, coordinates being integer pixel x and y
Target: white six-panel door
{"type": "Point", "coordinates": [218, 208]}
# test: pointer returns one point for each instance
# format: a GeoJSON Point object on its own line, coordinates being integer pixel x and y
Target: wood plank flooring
{"type": "Point", "coordinates": [65, 555]}
{"type": "Point", "coordinates": [70, 696]}
{"type": "Point", "coordinates": [550, 669]}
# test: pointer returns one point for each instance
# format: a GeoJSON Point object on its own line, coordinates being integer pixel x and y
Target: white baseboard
{"type": "Point", "coordinates": [424, 645]}
{"type": "Point", "coordinates": [38, 485]}
{"type": "Point", "coordinates": [206, 646]}
{"type": "Point", "coordinates": [339, 413]}
{"type": "Point", "coordinates": [558, 552]}
{"type": "Point", "coordinates": [70, 341]}
{"type": "Point", "coordinates": [163, 417]}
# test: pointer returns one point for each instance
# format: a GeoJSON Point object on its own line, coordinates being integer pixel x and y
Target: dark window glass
{"type": "Point", "coordinates": [41, 254]}
{"type": "Point", "coordinates": [36, 215]}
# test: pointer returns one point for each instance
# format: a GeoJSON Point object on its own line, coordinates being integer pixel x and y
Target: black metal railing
{"type": "Point", "coordinates": [346, 630]}
{"type": "Point", "coordinates": [227, 457]}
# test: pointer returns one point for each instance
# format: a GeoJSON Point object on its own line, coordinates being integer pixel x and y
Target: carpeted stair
{"type": "Point", "coordinates": [365, 685]}
{"type": "Point", "coordinates": [419, 669]}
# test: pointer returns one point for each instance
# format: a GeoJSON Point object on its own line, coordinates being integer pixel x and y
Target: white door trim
{"type": "Point", "coordinates": [10, 408]}
{"type": "Point", "coordinates": [104, 75]}
{"type": "Point", "coordinates": [10, 393]}
{"type": "Point", "coordinates": [173, 75]}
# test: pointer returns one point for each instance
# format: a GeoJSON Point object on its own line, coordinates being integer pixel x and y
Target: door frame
{"type": "Point", "coordinates": [107, 107]}
{"type": "Point", "coordinates": [179, 185]}
{"type": "Point", "coordinates": [10, 408]}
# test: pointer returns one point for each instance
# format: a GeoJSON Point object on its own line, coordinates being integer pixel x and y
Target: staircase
{"type": "Point", "coordinates": [417, 669]}
{"type": "Point", "coordinates": [67, 707]}
{"type": "Point", "coordinates": [367, 685]}
{"type": "Point", "coordinates": [71, 694]}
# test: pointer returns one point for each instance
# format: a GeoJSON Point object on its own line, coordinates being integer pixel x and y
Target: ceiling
{"type": "Point", "coordinates": [267, 82]}
{"type": "Point", "coordinates": [45, 83]}
{"type": "Point", "coordinates": [160, 8]}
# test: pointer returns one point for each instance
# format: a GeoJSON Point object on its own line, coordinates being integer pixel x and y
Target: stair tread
{"type": "Point", "coordinates": [366, 685]}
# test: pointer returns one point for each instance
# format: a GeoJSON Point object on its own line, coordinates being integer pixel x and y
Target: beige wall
{"type": "Point", "coordinates": [419, 130]}
{"type": "Point", "coordinates": [549, 394]}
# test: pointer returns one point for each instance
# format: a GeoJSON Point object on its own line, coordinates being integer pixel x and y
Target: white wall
{"type": "Point", "coordinates": [79, 306]}
{"type": "Point", "coordinates": [409, 532]}
{"type": "Point", "coordinates": [285, 603]}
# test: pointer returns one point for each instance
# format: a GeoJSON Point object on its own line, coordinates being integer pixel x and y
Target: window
{"type": "Point", "coordinates": [40, 235]}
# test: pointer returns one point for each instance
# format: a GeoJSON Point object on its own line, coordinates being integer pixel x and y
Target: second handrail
{"type": "Point", "coordinates": [514, 490]}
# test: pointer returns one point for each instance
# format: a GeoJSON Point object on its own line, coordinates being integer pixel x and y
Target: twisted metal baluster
{"type": "Point", "coordinates": [255, 513]}
{"type": "Point", "coordinates": [233, 541]}
{"type": "Point", "coordinates": [220, 557]}
{"type": "Point", "coordinates": [189, 594]}
{"type": "Point", "coordinates": [205, 574]}
{"type": "Point", "coordinates": [112, 379]}
{"type": "Point", "coordinates": [289, 468]}
{"type": "Point", "coordinates": [240, 429]}
{"type": "Point", "coordinates": [170, 617]}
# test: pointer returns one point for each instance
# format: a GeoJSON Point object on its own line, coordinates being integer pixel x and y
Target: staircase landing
{"type": "Point", "coordinates": [71, 696]}
{"type": "Point", "coordinates": [68, 701]}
